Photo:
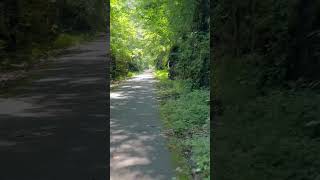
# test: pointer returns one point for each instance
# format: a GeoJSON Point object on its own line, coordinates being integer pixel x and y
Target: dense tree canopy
{"type": "Point", "coordinates": [173, 37]}
{"type": "Point", "coordinates": [167, 34]}
{"type": "Point", "coordinates": [282, 36]}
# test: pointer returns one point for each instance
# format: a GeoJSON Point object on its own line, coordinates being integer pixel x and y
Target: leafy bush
{"type": "Point", "coordinates": [188, 112]}
{"type": "Point", "coordinates": [66, 40]}
{"type": "Point", "coordinates": [193, 59]}
{"type": "Point", "coordinates": [276, 136]}
{"type": "Point", "coordinates": [36, 52]}
{"type": "Point", "coordinates": [200, 146]}
{"type": "Point", "coordinates": [185, 112]}
{"type": "Point", "coordinates": [81, 15]}
{"type": "Point", "coordinates": [169, 89]}
{"type": "Point", "coordinates": [162, 75]}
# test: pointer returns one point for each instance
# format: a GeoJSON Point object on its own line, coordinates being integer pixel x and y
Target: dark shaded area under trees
{"type": "Point", "coordinates": [265, 89]}
{"type": "Point", "coordinates": [30, 28]}
{"type": "Point", "coordinates": [189, 56]}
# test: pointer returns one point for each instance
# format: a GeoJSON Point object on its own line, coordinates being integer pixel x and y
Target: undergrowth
{"type": "Point", "coordinates": [185, 112]}
{"type": "Point", "coordinates": [24, 60]}
{"type": "Point", "coordinates": [66, 40]}
{"type": "Point", "coordinates": [269, 133]}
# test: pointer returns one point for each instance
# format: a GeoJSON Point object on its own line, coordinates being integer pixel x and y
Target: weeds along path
{"type": "Point", "coordinates": [54, 127]}
{"type": "Point", "coordinates": [138, 149]}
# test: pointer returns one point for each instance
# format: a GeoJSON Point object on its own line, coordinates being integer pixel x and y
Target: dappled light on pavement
{"type": "Point", "coordinates": [54, 125]}
{"type": "Point", "coordinates": [138, 150]}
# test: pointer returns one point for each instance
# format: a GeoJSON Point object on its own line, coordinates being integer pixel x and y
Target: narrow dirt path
{"type": "Point", "coordinates": [54, 128]}
{"type": "Point", "coordinates": [138, 149]}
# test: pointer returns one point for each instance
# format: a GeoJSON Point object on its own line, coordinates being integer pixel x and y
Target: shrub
{"type": "Point", "coordinates": [276, 136]}
{"type": "Point", "coordinates": [66, 40]}
{"type": "Point", "coordinates": [185, 112]}
{"type": "Point", "coordinates": [200, 147]}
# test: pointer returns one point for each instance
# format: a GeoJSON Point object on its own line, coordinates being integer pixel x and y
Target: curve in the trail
{"type": "Point", "coordinates": [55, 126]}
{"type": "Point", "coordinates": [138, 148]}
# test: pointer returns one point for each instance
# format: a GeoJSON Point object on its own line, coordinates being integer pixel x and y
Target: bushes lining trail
{"type": "Point", "coordinates": [185, 113]}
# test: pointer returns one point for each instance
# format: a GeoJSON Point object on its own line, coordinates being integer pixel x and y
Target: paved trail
{"type": "Point", "coordinates": [138, 150]}
{"type": "Point", "coordinates": [55, 127]}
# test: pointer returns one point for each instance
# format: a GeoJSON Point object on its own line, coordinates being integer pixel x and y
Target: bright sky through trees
{"type": "Point", "coordinates": [141, 30]}
{"type": "Point", "coordinates": [173, 37]}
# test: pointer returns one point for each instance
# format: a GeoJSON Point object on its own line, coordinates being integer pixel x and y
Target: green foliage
{"type": "Point", "coordinates": [161, 75]}
{"type": "Point", "coordinates": [193, 59]}
{"type": "Point", "coordinates": [67, 40]}
{"type": "Point", "coordinates": [265, 86]}
{"type": "Point", "coordinates": [286, 50]}
{"type": "Point", "coordinates": [188, 112]}
{"type": "Point", "coordinates": [173, 89]}
{"type": "Point", "coordinates": [64, 40]}
{"type": "Point", "coordinates": [144, 32]}
{"type": "Point", "coordinates": [185, 112]}
{"type": "Point", "coordinates": [200, 146]}
{"type": "Point", "coordinates": [173, 36]}
{"type": "Point", "coordinates": [126, 40]}
{"type": "Point", "coordinates": [81, 15]}
{"type": "Point", "coordinates": [131, 74]}
{"type": "Point", "coordinates": [276, 136]}
{"type": "Point", "coordinates": [29, 29]}
{"type": "Point", "coordinates": [231, 73]}
{"type": "Point", "coordinates": [37, 53]}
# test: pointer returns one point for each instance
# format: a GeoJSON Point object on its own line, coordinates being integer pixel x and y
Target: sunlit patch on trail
{"type": "Point", "coordinates": [118, 95]}
{"type": "Point", "coordinates": [86, 81]}
{"type": "Point", "coordinates": [124, 161]}
{"type": "Point", "coordinates": [46, 80]}
{"type": "Point", "coordinates": [137, 150]}
{"type": "Point", "coordinates": [147, 77]}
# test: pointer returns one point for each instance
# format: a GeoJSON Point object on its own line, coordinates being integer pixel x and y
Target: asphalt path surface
{"type": "Point", "coordinates": [137, 145]}
{"type": "Point", "coordinates": [54, 127]}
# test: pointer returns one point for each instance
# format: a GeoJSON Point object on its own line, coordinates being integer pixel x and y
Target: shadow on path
{"type": "Point", "coordinates": [54, 128]}
{"type": "Point", "coordinates": [138, 149]}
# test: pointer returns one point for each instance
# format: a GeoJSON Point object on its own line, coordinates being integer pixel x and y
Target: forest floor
{"type": "Point", "coordinates": [137, 143]}
{"type": "Point", "coordinates": [53, 124]}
